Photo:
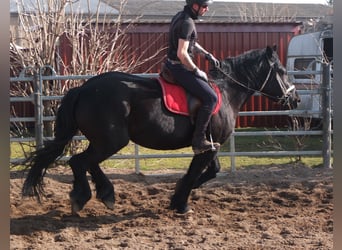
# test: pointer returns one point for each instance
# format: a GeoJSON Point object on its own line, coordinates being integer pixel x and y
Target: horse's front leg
{"type": "Point", "coordinates": [179, 200]}
{"type": "Point", "coordinates": [210, 173]}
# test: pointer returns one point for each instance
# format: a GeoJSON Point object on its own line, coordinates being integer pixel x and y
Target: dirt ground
{"type": "Point", "coordinates": [261, 207]}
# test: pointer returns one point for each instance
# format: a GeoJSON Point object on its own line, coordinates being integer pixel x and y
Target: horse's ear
{"type": "Point", "coordinates": [274, 47]}
{"type": "Point", "coordinates": [269, 51]}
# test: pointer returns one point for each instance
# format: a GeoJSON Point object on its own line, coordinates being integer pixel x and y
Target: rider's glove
{"type": "Point", "coordinates": [216, 63]}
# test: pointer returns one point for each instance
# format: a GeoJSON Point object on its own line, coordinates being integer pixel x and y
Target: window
{"type": "Point", "coordinates": [328, 48]}
{"type": "Point", "coordinates": [303, 64]}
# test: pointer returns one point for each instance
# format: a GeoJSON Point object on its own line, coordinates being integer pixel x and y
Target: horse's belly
{"type": "Point", "coordinates": [168, 132]}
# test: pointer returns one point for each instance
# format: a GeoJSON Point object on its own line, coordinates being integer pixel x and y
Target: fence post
{"type": "Point", "coordinates": [326, 109]}
{"type": "Point", "coordinates": [232, 150]}
{"type": "Point", "coordinates": [38, 110]}
{"type": "Point", "coordinates": [137, 160]}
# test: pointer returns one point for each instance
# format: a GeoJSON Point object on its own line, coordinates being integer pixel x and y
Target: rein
{"type": "Point", "coordinates": [281, 83]}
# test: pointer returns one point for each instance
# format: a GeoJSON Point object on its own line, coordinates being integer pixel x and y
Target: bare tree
{"type": "Point", "coordinates": [100, 44]}
{"type": "Point", "coordinates": [70, 42]}
{"type": "Point", "coordinates": [97, 41]}
{"type": "Point", "coordinates": [265, 13]}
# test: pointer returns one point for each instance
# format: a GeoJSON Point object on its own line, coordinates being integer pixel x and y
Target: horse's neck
{"type": "Point", "coordinates": [237, 96]}
{"type": "Point", "coordinates": [238, 87]}
{"type": "Point", "coordinates": [243, 74]}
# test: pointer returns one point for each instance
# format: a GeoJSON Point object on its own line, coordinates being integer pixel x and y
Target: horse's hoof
{"type": "Point", "coordinates": [109, 204]}
{"type": "Point", "coordinates": [76, 205]}
{"type": "Point", "coordinates": [179, 209]}
{"type": "Point", "coordinates": [75, 208]}
{"type": "Point", "coordinates": [184, 210]}
{"type": "Point", "coordinates": [79, 199]}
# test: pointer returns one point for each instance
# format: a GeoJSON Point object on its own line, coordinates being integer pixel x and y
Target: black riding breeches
{"type": "Point", "coordinates": [194, 85]}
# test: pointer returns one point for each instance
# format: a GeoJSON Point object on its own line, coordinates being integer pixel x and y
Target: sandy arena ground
{"type": "Point", "coordinates": [262, 207]}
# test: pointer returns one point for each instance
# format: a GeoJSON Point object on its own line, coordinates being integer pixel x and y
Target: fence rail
{"type": "Point", "coordinates": [37, 98]}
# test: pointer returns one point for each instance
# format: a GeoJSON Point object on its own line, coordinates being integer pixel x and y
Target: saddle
{"type": "Point", "coordinates": [177, 100]}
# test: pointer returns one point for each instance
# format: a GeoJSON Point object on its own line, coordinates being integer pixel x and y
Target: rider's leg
{"type": "Point", "coordinates": [200, 143]}
{"type": "Point", "coordinates": [201, 89]}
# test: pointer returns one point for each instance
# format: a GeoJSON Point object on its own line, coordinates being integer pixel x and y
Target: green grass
{"type": "Point", "coordinates": [242, 144]}
{"type": "Point", "coordinates": [274, 143]}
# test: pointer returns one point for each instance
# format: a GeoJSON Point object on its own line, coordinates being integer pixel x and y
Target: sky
{"type": "Point", "coordinates": [280, 1]}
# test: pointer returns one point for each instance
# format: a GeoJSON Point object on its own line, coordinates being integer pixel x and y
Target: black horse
{"type": "Point", "coordinates": [112, 108]}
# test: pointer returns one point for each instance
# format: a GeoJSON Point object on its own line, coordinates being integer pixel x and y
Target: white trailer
{"type": "Point", "coordinates": [306, 53]}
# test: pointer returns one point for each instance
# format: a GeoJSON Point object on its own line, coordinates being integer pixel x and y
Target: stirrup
{"type": "Point", "coordinates": [213, 146]}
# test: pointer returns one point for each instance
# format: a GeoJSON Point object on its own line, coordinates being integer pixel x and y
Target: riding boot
{"type": "Point", "coordinates": [200, 143]}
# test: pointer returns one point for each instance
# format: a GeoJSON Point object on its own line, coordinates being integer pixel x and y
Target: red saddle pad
{"type": "Point", "coordinates": [175, 98]}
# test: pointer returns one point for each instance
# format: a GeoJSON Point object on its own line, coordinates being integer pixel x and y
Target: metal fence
{"type": "Point", "coordinates": [326, 152]}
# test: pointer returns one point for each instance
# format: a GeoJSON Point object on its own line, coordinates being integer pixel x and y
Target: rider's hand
{"type": "Point", "coordinates": [216, 63]}
{"type": "Point", "coordinates": [201, 74]}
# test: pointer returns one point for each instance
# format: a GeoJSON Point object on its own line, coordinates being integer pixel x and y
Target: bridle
{"type": "Point", "coordinates": [284, 99]}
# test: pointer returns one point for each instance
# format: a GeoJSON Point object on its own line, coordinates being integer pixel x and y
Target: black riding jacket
{"type": "Point", "coordinates": [182, 26]}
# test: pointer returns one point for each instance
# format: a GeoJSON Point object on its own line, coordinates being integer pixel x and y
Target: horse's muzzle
{"type": "Point", "coordinates": [291, 99]}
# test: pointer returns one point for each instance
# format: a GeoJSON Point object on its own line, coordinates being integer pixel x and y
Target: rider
{"type": "Point", "coordinates": [182, 44]}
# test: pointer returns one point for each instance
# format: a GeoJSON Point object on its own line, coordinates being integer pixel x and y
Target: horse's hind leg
{"type": "Point", "coordinates": [81, 192]}
{"type": "Point", "coordinates": [101, 148]}
{"type": "Point", "coordinates": [89, 161]}
{"type": "Point", "coordinates": [104, 188]}
{"type": "Point", "coordinates": [179, 200]}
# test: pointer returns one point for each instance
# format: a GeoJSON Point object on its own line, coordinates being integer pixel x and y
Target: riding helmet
{"type": "Point", "coordinates": [199, 2]}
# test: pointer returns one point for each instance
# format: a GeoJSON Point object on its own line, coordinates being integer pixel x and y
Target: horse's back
{"type": "Point", "coordinates": [109, 98]}
{"type": "Point", "coordinates": [116, 77]}
{"type": "Point", "coordinates": [109, 90]}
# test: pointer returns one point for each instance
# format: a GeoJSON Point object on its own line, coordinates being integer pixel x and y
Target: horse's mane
{"type": "Point", "coordinates": [251, 55]}
{"type": "Point", "coordinates": [242, 62]}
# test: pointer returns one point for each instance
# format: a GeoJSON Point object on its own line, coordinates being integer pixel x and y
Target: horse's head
{"type": "Point", "coordinates": [258, 71]}
{"type": "Point", "coordinates": [276, 85]}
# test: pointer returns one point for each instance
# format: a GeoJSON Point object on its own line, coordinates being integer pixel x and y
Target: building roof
{"type": "Point", "coordinates": [152, 11]}
{"type": "Point", "coordinates": [224, 11]}
{"type": "Point", "coordinates": [79, 6]}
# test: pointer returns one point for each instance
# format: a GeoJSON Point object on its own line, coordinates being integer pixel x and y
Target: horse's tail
{"type": "Point", "coordinates": [39, 161]}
